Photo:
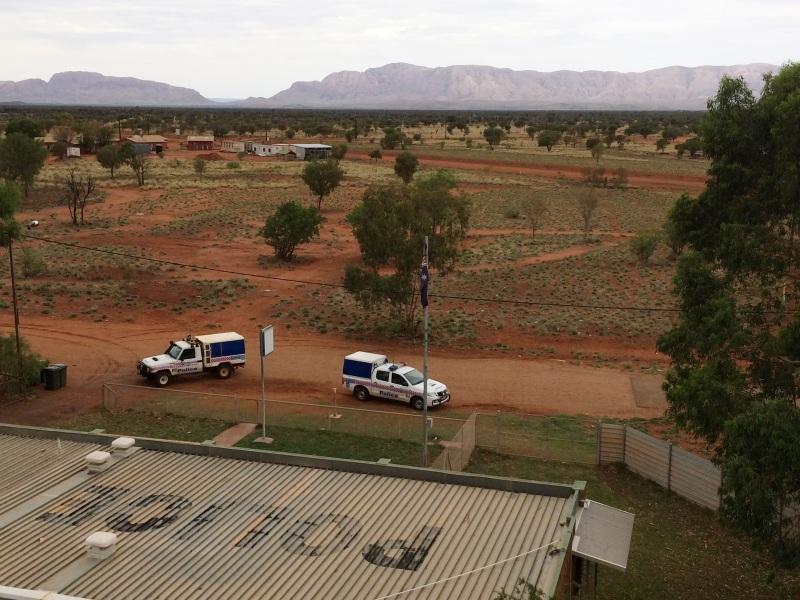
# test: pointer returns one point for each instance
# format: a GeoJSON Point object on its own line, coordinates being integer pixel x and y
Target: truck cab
{"type": "Point", "coordinates": [373, 375]}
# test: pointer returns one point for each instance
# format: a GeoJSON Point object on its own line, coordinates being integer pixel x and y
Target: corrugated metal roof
{"type": "Point", "coordinates": [30, 466]}
{"type": "Point", "coordinates": [199, 138]}
{"type": "Point", "coordinates": [312, 146]}
{"type": "Point", "coordinates": [194, 526]}
{"type": "Point", "coordinates": [147, 139]}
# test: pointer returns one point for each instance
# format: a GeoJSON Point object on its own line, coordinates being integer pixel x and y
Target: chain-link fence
{"type": "Point", "coordinates": [11, 389]}
{"type": "Point", "coordinates": [551, 438]}
{"type": "Point", "coordinates": [557, 438]}
{"type": "Point", "coordinates": [398, 435]}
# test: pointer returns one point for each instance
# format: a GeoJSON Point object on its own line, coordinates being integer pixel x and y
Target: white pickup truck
{"type": "Point", "coordinates": [367, 374]}
{"type": "Point", "coordinates": [221, 353]}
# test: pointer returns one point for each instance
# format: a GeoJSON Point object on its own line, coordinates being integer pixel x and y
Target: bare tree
{"type": "Point", "coordinates": [587, 204]}
{"type": "Point", "coordinates": [77, 191]}
{"type": "Point", "coordinates": [138, 162]}
{"type": "Point", "coordinates": [535, 209]}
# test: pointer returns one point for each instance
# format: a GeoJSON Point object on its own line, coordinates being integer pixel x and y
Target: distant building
{"type": "Point", "coordinates": [156, 143]}
{"type": "Point", "coordinates": [233, 146]}
{"type": "Point", "coordinates": [200, 142]}
{"type": "Point", "coordinates": [261, 149]}
{"type": "Point", "coordinates": [310, 151]}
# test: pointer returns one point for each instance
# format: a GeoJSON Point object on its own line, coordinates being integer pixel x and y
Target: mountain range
{"type": "Point", "coordinates": [405, 86]}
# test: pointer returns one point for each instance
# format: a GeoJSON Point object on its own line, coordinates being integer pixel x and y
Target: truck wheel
{"type": "Point", "coordinates": [416, 403]}
{"type": "Point", "coordinates": [224, 371]}
{"type": "Point", "coordinates": [162, 378]}
{"type": "Point", "coordinates": [361, 394]}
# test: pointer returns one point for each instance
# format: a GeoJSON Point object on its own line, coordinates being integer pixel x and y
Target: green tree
{"type": "Point", "coordinates": [9, 203]}
{"type": "Point", "coordinates": [644, 244]}
{"type": "Point", "coordinates": [289, 226]}
{"type": "Point", "coordinates": [661, 144]}
{"type": "Point", "coordinates": [405, 165]}
{"type": "Point", "coordinates": [392, 137]}
{"type": "Point", "coordinates": [736, 348]}
{"type": "Point", "coordinates": [494, 135]}
{"type": "Point", "coordinates": [375, 155]}
{"type": "Point", "coordinates": [21, 159]}
{"type": "Point", "coordinates": [32, 363]}
{"type": "Point", "coordinates": [110, 158]}
{"type": "Point", "coordinates": [339, 151]}
{"type": "Point", "coordinates": [761, 485]}
{"type": "Point", "coordinates": [693, 146]}
{"type": "Point", "coordinates": [531, 131]}
{"type": "Point", "coordinates": [322, 177]}
{"type": "Point", "coordinates": [549, 138]}
{"type": "Point", "coordinates": [597, 151]}
{"type": "Point", "coordinates": [27, 127]}
{"type": "Point", "coordinates": [289, 134]}
{"type": "Point", "coordinates": [390, 225]}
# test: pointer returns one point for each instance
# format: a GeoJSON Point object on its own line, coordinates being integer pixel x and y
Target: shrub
{"type": "Point", "coordinates": [339, 151]}
{"type": "Point", "coordinates": [644, 244]}
{"type": "Point", "coordinates": [32, 363]}
{"type": "Point", "coordinates": [233, 165]}
{"type": "Point", "coordinates": [32, 263]}
{"type": "Point", "coordinates": [290, 226]}
{"type": "Point", "coordinates": [199, 165]}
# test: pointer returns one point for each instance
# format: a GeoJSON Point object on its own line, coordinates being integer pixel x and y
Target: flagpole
{"type": "Point", "coordinates": [425, 365]}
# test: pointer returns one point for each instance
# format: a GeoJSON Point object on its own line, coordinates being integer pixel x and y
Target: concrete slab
{"type": "Point", "coordinates": [232, 435]}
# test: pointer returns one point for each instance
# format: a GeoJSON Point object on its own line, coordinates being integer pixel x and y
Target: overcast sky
{"type": "Point", "coordinates": [239, 48]}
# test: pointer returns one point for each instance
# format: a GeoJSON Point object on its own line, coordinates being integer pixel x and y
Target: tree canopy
{"type": "Point", "coordinates": [405, 165]}
{"type": "Point", "coordinates": [21, 159]}
{"type": "Point", "coordinates": [736, 348]}
{"type": "Point", "coordinates": [322, 177]}
{"type": "Point", "coordinates": [289, 226]}
{"type": "Point", "coordinates": [390, 225]}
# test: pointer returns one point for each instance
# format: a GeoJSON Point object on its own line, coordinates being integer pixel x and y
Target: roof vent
{"type": "Point", "coordinates": [123, 446]}
{"type": "Point", "coordinates": [97, 461]}
{"type": "Point", "coordinates": [101, 544]}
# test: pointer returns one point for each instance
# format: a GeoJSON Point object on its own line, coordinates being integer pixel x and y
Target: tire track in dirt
{"type": "Point", "coordinates": [542, 258]}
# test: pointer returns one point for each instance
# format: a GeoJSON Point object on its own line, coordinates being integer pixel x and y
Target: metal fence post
{"type": "Point", "coordinates": [669, 466]}
{"type": "Point", "coordinates": [236, 408]}
{"type": "Point", "coordinates": [497, 445]}
{"type": "Point", "coordinates": [599, 441]}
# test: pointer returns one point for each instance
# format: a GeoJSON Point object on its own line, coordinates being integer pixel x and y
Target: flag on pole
{"type": "Point", "coordinates": [423, 283]}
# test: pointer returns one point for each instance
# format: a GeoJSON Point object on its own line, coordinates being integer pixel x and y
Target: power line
{"type": "Point", "coordinates": [513, 301]}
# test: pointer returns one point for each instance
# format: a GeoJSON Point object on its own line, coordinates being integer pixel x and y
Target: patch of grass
{"type": "Point", "coordinates": [678, 549]}
{"type": "Point", "coordinates": [339, 445]}
{"type": "Point", "coordinates": [148, 424]}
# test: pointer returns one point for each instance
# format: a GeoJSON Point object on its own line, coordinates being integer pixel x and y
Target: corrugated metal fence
{"type": "Point", "coordinates": [688, 475]}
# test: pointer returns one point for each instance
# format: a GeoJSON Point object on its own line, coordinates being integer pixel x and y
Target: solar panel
{"type": "Point", "coordinates": [603, 535]}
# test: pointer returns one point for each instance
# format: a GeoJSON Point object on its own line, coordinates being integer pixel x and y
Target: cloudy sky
{"type": "Point", "coordinates": [239, 48]}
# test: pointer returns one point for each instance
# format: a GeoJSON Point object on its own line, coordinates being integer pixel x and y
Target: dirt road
{"type": "Point", "coordinates": [306, 368]}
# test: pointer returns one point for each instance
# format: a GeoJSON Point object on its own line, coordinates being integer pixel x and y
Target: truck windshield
{"type": "Point", "coordinates": [174, 351]}
{"type": "Point", "coordinates": [414, 377]}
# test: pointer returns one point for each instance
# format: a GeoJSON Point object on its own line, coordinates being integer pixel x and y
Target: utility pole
{"type": "Point", "coordinates": [16, 307]}
{"type": "Point", "coordinates": [424, 283]}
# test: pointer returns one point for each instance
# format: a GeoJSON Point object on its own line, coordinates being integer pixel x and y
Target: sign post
{"type": "Point", "coordinates": [266, 346]}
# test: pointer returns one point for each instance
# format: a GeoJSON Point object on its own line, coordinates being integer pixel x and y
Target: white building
{"type": "Point", "coordinates": [261, 149]}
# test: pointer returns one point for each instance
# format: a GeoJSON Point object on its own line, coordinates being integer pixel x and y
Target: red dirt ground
{"type": "Point", "coordinates": [635, 178]}
{"type": "Point", "coordinates": [306, 365]}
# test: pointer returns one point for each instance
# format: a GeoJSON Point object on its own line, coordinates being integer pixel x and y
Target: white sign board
{"type": "Point", "coordinates": [267, 340]}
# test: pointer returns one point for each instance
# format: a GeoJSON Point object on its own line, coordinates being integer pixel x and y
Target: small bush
{"type": "Point", "coordinates": [33, 263]}
{"type": "Point", "coordinates": [644, 244]}
{"type": "Point", "coordinates": [511, 213]}
{"type": "Point", "coordinates": [233, 165]}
